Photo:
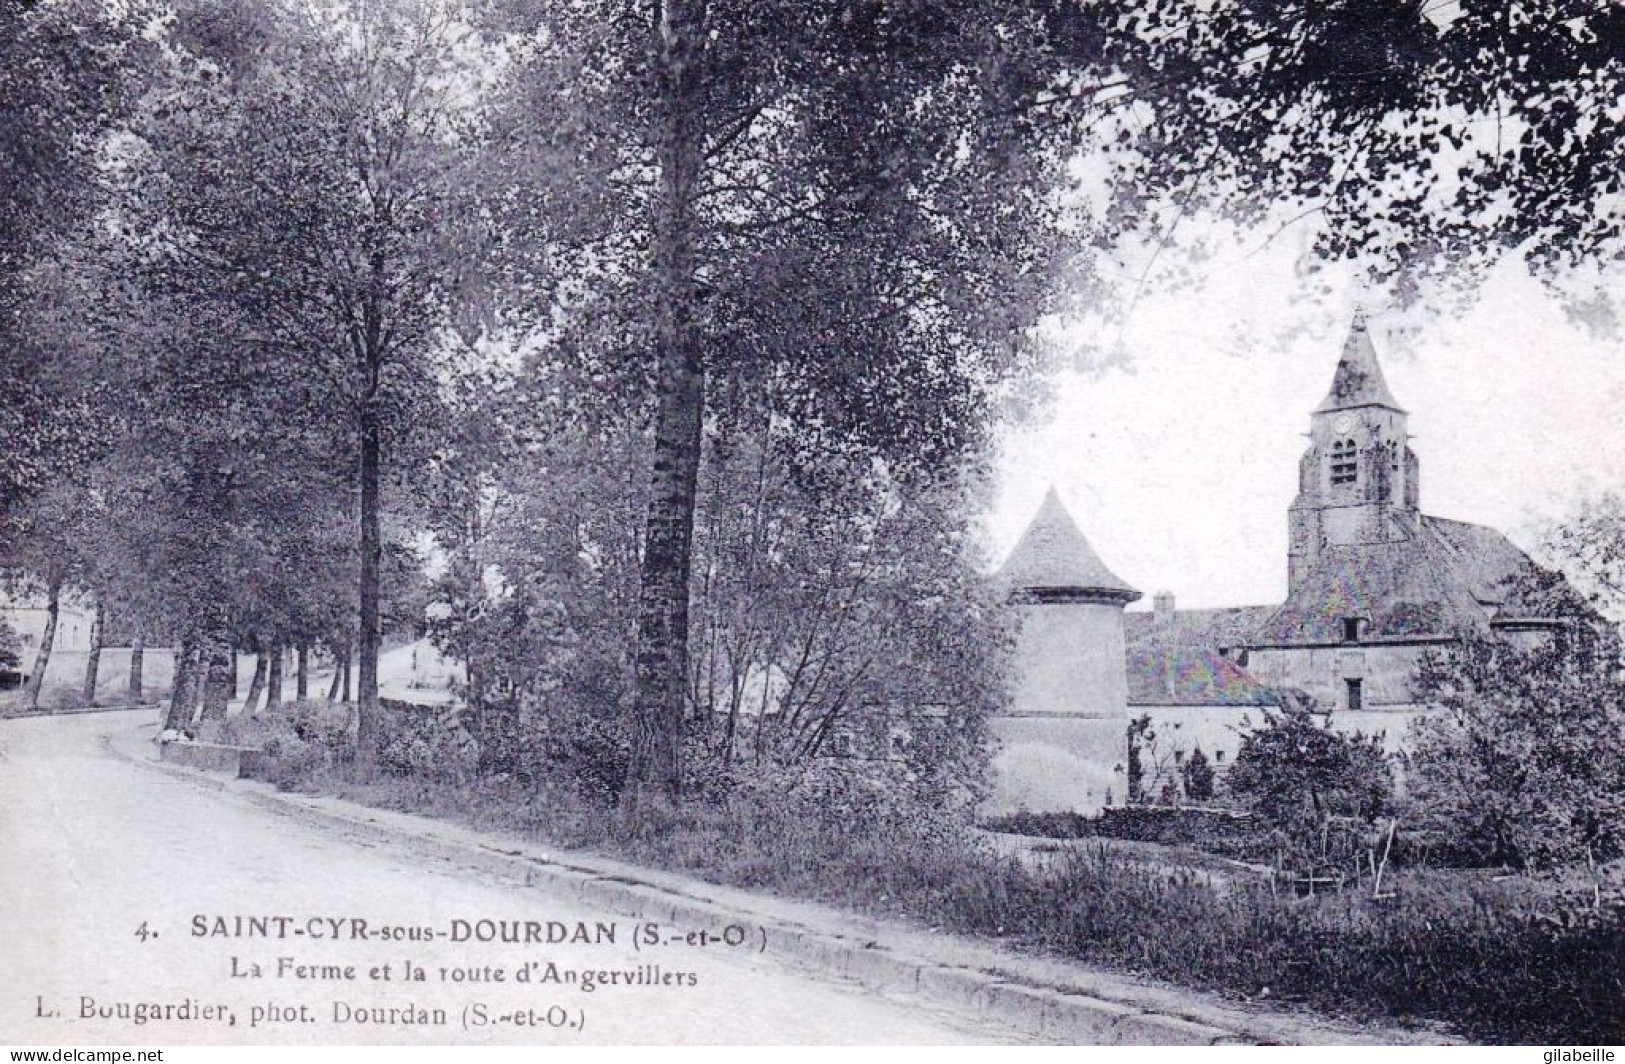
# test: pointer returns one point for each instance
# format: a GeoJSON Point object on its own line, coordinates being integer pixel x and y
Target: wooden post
{"type": "Point", "coordinates": [1376, 886]}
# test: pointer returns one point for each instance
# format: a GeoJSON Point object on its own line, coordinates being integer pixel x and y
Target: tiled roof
{"type": "Point", "coordinates": [1221, 628]}
{"type": "Point", "coordinates": [1358, 380]}
{"type": "Point", "coordinates": [1053, 555]}
{"type": "Point", "coordinates": [1176, 660]}
{"type": "Point", "coordinates": [1492, 565]}
{"type": "Point", "coordinates": [1190, 676]}
{"type": "Point", "coordinates": [1404, 589]}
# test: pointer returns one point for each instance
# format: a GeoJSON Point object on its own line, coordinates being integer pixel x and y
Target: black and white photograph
{"type": "Point", "coordinates": [812, 522]}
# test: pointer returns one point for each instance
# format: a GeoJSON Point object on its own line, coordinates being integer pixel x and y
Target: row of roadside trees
{"type": "Point", "coordinates": [671, 336]}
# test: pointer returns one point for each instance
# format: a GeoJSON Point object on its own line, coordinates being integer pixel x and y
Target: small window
{"type": "Point", "coordinates": [1345, 468]}
{"type": "Point", "coordinates": [1356, 694]}
{"type": "Point", "coordinates": [1351, 629]}
{"type": "Point", "coordinates": [1218, 757]}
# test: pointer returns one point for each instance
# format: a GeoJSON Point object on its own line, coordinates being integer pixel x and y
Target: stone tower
{"type": "Point", "coordinates": [1070, 657]}
{"type": "Point", "coordinates": [1358, 481]}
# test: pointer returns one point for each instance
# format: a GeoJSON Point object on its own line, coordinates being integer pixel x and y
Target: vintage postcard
{"type": "Point", "coordinates": [882, 522]}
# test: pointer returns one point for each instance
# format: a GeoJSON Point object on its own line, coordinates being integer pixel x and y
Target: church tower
{"type": "Point", "coordinates": [1358, 481]}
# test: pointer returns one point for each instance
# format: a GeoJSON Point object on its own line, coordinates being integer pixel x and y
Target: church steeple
{"type": "Point", "coordinates": [1358, 381]}
{"type": "Point", "coordinates": [1358, 481]}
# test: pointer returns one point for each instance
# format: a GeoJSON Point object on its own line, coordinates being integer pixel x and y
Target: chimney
{"type": "Point", "coordinates": [1162, 607]}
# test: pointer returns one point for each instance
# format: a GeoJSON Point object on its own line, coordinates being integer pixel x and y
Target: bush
{"type": "Point", "coordinates": [1522, 761]}
{"type": "Point", "coordinates": [1197, 776]}
{"type": "Point", "coordinates": [11, 648]}
{"type": "Point", "coordinates": [1297, 774]}
{"type": "Point", "coordinates": [290, 762]}
{"type": "Point", "coordinates": [431, 742]}
{"type": "Point", "coordinates": [298, 741]}
{"type": "Point", "coordinates": [537, 738]}
{"type": "Point", "coordinates": [62, 696]}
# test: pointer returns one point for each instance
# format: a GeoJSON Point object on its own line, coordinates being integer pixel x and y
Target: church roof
{"type": "Point", "coordinates": [1358, 380]}
{"type": "Point", "coordinates": [1497, 570]}
{"type": "Point", "coordinates": [1054, 555]}
{"type": "Point", "coordinates": [1410, 588]}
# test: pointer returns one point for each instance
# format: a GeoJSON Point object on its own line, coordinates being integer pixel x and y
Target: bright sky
{"type": "Point", "coordinates": [1179, 459]}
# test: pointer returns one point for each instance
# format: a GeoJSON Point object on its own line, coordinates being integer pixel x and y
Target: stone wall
{"type": "Point", "coordinates": [1385, 673]}
{"type": "Point", "coordinates": [1056, 764]}
{"type": "Point", "coordinates": [66, 673]}
{"type": "Point", "coordinates": [73, 624]}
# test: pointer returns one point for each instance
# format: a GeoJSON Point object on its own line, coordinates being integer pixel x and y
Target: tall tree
{"type": "Point", "coordinates": [840, 204]}
{"type": "Point", "coordinates": [1426, 139]}
{"type": "Point", "coordinates": [308, 169]}
{"type": "Point", "coordinates": [48, 535]}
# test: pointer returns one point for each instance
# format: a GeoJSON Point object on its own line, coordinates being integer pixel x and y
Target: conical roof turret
{"type": "Point", "coordinates": [1358, 380]}
{"type": "Point", "coordinates": [1053, 556]}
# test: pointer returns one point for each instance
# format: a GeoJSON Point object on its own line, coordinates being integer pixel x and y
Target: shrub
{"type": "Point", "coordinates": [431, 742]}
{"type": "Point", "coordinates": [11, 648]}
{"type": "Point", "coordinates": [1522, 760]}
{"type": "Point", "coordinates": [1297, 773]}
{"type": "Point", "coordinates": [290, 762]}
{"type": "Point", "coordinates": [62, 696]}
{"type": "Point", "coordinates": [535, 737]}
{"type": "Point", "coordinates": [297, 740]}
{"type": "Point", "coordinates": [1196, 773]}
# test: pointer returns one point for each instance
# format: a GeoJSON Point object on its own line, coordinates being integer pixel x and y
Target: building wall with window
{"type": "Point", "coordinates": [1370, 678]}
{"type": "Point", "coordinates": [27, 619]}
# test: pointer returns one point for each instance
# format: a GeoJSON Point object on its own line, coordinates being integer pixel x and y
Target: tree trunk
{"type": "Point", "coordinates": [367, 724]}
{"type": "Point", "coordinates": [138, 653]}
{"type": "Point", "coordinates": [232, 674]}
{"type": "Point", "coordinates": [347, 695]}
{"type": "Point", "coordinates": [217, 680]}
{"type": "Point", "coordinates": [93, 662]}
{"type": "Point", "coordinates": [337, 685]}
{"type": "Point", "coordinates": [661, 652]}
{"type": "Point", "coordinates": [42, 661]}
{"type": "Point", "coordinates": [183, 698]}
{"type": "Point", "coordinates": [200, 680]}
{"type": "Point", "coordinates": [301, 679]}
{"type": "Point", "coordinates": [262, 665]}
{"type": "Point", "coordinates": [273, 680]}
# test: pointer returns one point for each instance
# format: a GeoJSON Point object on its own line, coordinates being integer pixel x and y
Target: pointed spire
{"type": "Point", "coordinates": [1359, 380]}
{"type": "Point", "coordinates": [1053, 555]}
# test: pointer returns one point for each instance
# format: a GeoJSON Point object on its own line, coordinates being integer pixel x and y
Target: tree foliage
{"type": "Point", "coordinates": [1521, 760]}
{"type": "Point", "coordinates": [69, 72]}
{"type": "Point", "coordinates": [1297, 772]}
{"type": "Point", "coordinates": [1591, 546]}
{"type": "Point", "coordinates": [1423, 138]}
{"type": "Point", "coordinates": [828, 629]}
{"type": "Point", "coordinates": [1197, 776]}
